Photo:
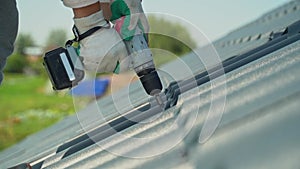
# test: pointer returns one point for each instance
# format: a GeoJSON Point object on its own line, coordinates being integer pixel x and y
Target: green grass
{"type": "Point", "coordinates": [26, 109]}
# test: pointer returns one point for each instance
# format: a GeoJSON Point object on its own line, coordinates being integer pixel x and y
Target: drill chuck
{"type": "Point", "coordinates": [150, 81]}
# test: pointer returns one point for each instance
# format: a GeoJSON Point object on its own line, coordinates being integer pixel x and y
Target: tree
{"type": "Point", "coordinates": [23, 41]}
{"type": "Point", "coordinates": [169, 36]}
{"type": "Point", "coordinates": [56, 38]}
{"type": "Point", "coordinates": [16, 63]}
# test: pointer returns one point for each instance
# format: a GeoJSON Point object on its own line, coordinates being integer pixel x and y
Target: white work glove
{"type": "Point", "coordinates": [128, 14]}
{"type": "Point", "coordinates": [104, 49]}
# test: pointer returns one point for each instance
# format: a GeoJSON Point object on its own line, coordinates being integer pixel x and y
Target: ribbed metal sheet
{"type": "Point", "coordinates": [259, 128]}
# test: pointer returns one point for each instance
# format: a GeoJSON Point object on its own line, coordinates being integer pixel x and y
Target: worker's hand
{"type": "Point", "coordinates": [128, 15]}
{"type": "Point", "coordinates": [103, 50]}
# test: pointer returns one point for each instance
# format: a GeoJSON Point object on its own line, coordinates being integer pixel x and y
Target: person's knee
{"type": "Point", "coordinates": [8, 31]}
{"type": "Point", "coordinates": [8, 27]}
{"type": "Point", "coordinates": [2, 64]}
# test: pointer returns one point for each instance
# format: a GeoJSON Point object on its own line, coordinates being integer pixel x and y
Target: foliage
{"type": "Point", "coordinates": [16, 63]}
{"type": "Point", "coordinates": [23, 41]}
{"type": "Point", "coordinates": [38, 69]}
{"type": "Point", "coordinates": [56, 38]}
{"type": "Point", "coordinates": [170, 36]}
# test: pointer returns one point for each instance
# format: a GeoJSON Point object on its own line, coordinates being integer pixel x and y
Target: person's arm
{"type": "Point", "coordinates": [86, 10]}
{"type": "Point", "coordinates": [81, 11]}
{"type": "Point", "coordinates": [105, 7]}
{"type": "Point", "coordinates": [89, 13]}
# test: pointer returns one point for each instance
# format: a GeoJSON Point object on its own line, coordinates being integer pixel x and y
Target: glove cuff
{"type": "Point", "coordinates": [86, 23]}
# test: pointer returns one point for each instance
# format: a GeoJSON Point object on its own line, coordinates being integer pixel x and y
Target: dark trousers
{"type": "Point", "coordinates": [8, 30]}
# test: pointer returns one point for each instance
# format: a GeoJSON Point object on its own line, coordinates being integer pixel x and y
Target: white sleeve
{"type": "Point", "coordinates": [79, 3]}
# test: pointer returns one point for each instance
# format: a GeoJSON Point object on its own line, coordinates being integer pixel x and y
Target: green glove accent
{"type": "Point", "coordinates": [117, 69]}
{"type": "Point", "coordinates": [76, 45]}
{"type": "Point", "coordinates": [119, 9]}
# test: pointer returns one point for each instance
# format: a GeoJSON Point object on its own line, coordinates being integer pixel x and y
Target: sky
{"type": "Point", "coordinates": [214, 18]}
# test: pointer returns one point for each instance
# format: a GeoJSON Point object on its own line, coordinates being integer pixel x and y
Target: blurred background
{"type": "Point", "coordinates": [27, 101]}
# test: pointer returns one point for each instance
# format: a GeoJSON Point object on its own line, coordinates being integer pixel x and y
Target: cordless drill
{"type": "Point", "coordinates": [143, 64]}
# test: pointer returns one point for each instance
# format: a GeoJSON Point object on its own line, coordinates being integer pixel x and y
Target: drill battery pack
{"type": "Point", "coordinates": [64, 68]}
